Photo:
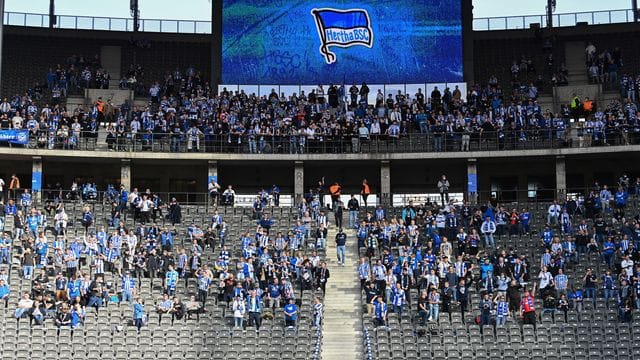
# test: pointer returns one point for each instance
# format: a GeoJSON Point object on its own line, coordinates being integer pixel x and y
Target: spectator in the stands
{"type": "Point", "coordinates": [380, 311]}
{"type": "Point", "coordinates": [239, 310]}
{"type": "Point", "coordinates": [290, 313]}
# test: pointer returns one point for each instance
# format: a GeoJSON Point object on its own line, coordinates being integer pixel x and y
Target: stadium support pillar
{"type": "Point", "coordinates": [298, 181]}
{"type": "Point", "coordinates": [216, 45]}
{"type": "Point", "coordinates": [385, 183]}
{"type": "Point", "coordinates": [472, 181]}
{"type": "Point", "coordinates": [125, 173]}
{"type": "Point", "coordinates": [212, 171]}
{"type": "Point", "coordinates": [52, 13]}
{"type": "Point", "coordinates": [36, 178]}
{"type": "Point", "coordinates": [561, 178]}
{"type": "Point", "coordinates": [1, 37]}
{"type": "Point", "coordinates": [467, 41]}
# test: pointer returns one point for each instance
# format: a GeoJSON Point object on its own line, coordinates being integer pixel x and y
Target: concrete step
{"type": "Point", "coordinates": [342, 328]}
{"type": "Point", "coordinates": [111, 59]}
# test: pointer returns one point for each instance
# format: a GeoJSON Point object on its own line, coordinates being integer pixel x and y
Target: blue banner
{"type": "Point", "coordinates": [284, 42]}
{"type": "Point", "coordinates": [20, 137]}
{"type": "Point", "coordinates": [36, 181]}
{"type": "Point", "coordinates": [472, 183]}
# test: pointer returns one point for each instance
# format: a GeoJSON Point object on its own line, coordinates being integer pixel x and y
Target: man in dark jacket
{"type": "Point", "coordinates": [322, 275]}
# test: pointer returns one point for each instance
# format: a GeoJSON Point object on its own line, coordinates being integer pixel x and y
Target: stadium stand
{"type": "Point", "coordinates": [487, 119]}
{"type": "Point", "coordinates": [576, 316]}
{"type": "Point", "coordinates": [122, 274]}
{"type": "Point", "coordinates": [147, 255]}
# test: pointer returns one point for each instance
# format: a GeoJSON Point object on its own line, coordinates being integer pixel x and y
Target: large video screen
{"type": "Point", "coordinates": [310, 42]}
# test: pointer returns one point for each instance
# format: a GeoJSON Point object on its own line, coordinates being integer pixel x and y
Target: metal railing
{"type": "Point", "coordinates": [204, 27]}
{"type": "Point", "coordinates": [108, 23]}
{"type": "Point", "coordinates": [301, 144]}
{"type": "Point", "coordinates": [508, 198]}
{"type": "Point", "coordinates": [559, 20]}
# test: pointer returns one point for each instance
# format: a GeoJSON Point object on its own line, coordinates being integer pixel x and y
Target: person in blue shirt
{"type": "Point", "coordinates": [547, 236]}
{"type": "Point", "coordinates": [73, 288]}
{"type": "Point", "coordinates": [502, 309]}
{"type": "Point", "coordinates": [87, 219]}
{"type": "Point", "coordinates": [124, 197]}
{"type": "Point", "coordinates": [525, 217]}
{"type": "Point", "coordinates": [290, 313]}
{"type": "Point", "coordinates": [171, 281]}
{"type": "Point", "coordinates": [5, 292]}
{"type": "Point", "coordinates": [128, 284]}
{"type": "Point", "coordinates": [620, 198]}
{"type": "Point", "coordinates": [10, 208]}
{"type": "Point", "coordinates": [33, 222]}
{"type": "Point", "coordinates": [77, 316]}
{"type": "Point", "coordinates": [380, 312]}
{"type": "Point", "coordinates": [608, 286]}
{"type": "Point", "coordinates": [274, 293]}
{"type": "Point", "coordinates": [166, 239]}
{"type": "Point", "coordinates": [138, 314]}
{"type": "Point", "coordinates": [577, 298]}
{"type": "Point", "coordinates": [5, 249]}
{"type": "Point", "coordinates": [204, 281]}
{"type": "Point", "coordinates": [254, 308]}
{"type": "Point", "coordinates": [265, 222]}
{"type": "Point", "coordinates": [398, 300]}
{"type": "Point", "coordinates": [608, 251]}
{"type": "Point", "coordinates": [25, 200]}
{"type": "Point", "coordinates": [486, 268]}
{"type": "Point", "coordinates": [275, 192]}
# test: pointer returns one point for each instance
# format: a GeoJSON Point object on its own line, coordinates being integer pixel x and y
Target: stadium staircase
{"type": "Point", "coordinates": [342, 328]}
{"type": "Point", "coordinates": [575, 57]}
{"type": "Point", "coordinates": [578, 73]}
{"type": "Point", "coordinates": [578, 77]}
{"type": "Point", "coordinates": [111, 57]}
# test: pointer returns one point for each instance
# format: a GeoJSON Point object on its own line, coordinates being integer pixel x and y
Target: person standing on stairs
{"type": "Point", "coordinates": [365, 191]}
{"type": "Point", "coordinates": [443, 187]}
{"type": "Point", "coordinates": [354, 207]}
{"type": "Point", "coordinates": [338, 212]}
{"type": "Point", "coordinates": [322, 275]}
{"type": "Point", "coordinates": [341, 241]}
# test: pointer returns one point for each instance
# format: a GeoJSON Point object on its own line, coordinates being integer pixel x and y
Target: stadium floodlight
{"type": "Point", "coordinates": [135, 13]}
{"type": "Point", "coordinates": [550, 8]}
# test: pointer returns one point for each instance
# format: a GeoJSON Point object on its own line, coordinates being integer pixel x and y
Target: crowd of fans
{"type": "Point", "coordinates": [603, 66]}
{"type": "Point", "coordinates": [76, 74]}
{"type": "Point", "coordinates": [198, 121]}
{"type": "Point", "coordinates": [187, 113]}
{"type": "Point", "coordinates": [107, 262]}
{"type": "Point", "coordinates": [443, 250]}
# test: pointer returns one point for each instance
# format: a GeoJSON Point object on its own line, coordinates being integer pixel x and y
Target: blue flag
{"type": "Point", "coordinates": [342, 28]}
{"type": "Point", "coordinates": [20, 137]}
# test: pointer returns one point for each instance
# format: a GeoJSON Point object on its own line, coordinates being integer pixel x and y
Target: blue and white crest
{"type": "Point", "coordinates": [342, 28]}
{"type": "Point", "coordinates": [22, 137]}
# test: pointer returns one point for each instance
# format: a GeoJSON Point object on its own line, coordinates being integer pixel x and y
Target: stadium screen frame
{"type": "Point", "coordinates": [257, 61]}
